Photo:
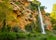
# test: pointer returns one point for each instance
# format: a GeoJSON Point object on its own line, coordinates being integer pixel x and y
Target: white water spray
{"type": "Point", "coordinates": [41, 20]}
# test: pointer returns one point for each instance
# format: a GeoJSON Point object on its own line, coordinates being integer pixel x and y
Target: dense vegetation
{"type": "Point", "coordinates": [33, 30]}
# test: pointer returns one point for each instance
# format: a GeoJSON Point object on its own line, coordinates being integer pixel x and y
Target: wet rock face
{"type": "Point", "coordinates": [22, 14]}
{"type": "Point", "coordinates": [1, 1]}
{"type": "Point", "coordinates": [47, 21]}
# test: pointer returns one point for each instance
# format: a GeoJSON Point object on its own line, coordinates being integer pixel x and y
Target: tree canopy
{"type": "Point", "coordinates": [53, 13]}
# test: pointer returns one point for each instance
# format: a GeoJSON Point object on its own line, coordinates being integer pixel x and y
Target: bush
{"type": "Point", "coordinates": [16, 29]}
{"type": "Point", "coordinates": [3, 36]}
{"type": "Point", "coordinates": [21, 35]}
{"type": "Point", "coordinates": [11, 36]}
{"type": "Point", "coordinates": [7, 36]}
{"type": "Point", "coordinates": [29, 28]}
{"type": "Point", "coordinates": [25, 36]}
{"type": "Point", "coordinates": [6, 29]}
{"type": "Point", "coordinates": [33, 27]}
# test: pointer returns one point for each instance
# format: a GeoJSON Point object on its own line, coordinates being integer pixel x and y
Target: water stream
{"type": "Point", "coordinates": [41, 21]}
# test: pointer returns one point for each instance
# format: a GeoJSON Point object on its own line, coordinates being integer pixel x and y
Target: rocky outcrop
{"type": "Point", "coordinates": [23, 14]}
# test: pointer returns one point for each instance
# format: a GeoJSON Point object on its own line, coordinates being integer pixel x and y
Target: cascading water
{"type": "Point", "coordinates": [41, 21]}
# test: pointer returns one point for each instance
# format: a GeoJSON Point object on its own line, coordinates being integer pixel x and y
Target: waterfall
{"type": "Point", "coordinates": [41, 21]}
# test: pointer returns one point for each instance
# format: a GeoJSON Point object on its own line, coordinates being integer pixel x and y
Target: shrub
{"type": "Point", "coordinates": [16, 29]}
{"type": "Point", "coordinates": [28, 27]}
{"type": "Point", "coordinates": [21, 35]}
{"type": "Point", "coordinates": [3, 36]}
{"type": "Point", "coordinates": [6, 29]}
{"type": "Point", "coordinates": [11, 36]}
{"type": "Point", "coordinates": [33, 27]}
{"type": "Point", "coordinates": [7, 36]}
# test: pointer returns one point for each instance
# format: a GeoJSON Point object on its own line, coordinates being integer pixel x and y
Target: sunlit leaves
{"type": "Point", "coordinates": [5, 9]}
{"type": "Point", "coordinates": [36, 2]}
{"type": "Point", "coordinates": [42, 8]}
{"type": "Point", "coordinates": [54, 7]}
{"type": "Point", "coordinates": [53, 13]}
{"type": "Point", "coordinates": [33, 6]}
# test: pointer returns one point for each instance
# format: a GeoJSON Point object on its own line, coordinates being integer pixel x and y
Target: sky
{"type": "Point", "coordinates": [48, 4]}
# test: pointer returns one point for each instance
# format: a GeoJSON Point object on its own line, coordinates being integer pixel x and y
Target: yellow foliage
{"type": "Point", "coordinates": [53, 13]}
{"type": "Point", "coordinates": [54, 7]}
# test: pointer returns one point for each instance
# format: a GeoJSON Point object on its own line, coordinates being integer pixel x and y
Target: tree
{"type": "Point", "coordinates": [36, 2]}
{"type": "Point", "coordinates": [53, 13]}
{"type": "Point", "coordinates": [6, 11]}
{"type": "Point", "coordinates": [53, 16]}
{"type": "Point", "coordinates": [34, 5]}
{"type": "Point", "coordinates": [42, 8]}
